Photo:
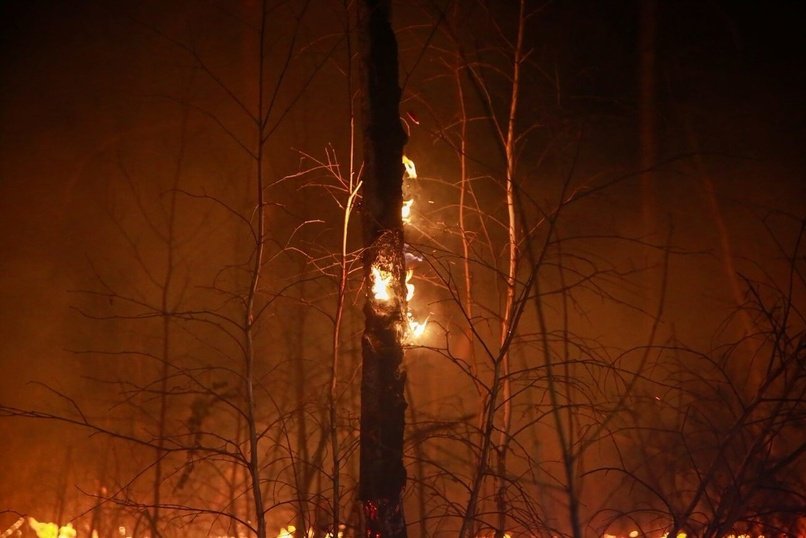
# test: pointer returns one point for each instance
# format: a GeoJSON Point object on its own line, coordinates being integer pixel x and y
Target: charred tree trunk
{"type": "Point", "coordinates": [382, 475]}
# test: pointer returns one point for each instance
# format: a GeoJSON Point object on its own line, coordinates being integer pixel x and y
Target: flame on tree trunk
{"type": "Point", "coordinates": [382, 475]}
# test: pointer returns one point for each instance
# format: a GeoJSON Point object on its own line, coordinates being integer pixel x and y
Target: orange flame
{"type": "Point", "coordinates": [51, 530]}
{"type": "Point", "coordinates": [416, 328]}
{"type": "Point", "coordinates": [405, 211]}
{"type": "Point", "coordinates": [411, 170]}
{"type": "Point", "coordinates": [380, 284]}
{"type": "Point", "coordinates": [409, 285]}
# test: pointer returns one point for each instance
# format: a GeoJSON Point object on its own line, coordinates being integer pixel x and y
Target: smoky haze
{"type": "Point", "coordinates": [127, 198]}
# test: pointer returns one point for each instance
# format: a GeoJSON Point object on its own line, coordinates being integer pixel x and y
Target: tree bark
{"type": "Point", "coordinates": [382, 475]}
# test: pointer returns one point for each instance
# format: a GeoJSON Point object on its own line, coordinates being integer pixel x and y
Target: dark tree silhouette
{"type": "Point", "coordinates": [382, 475]}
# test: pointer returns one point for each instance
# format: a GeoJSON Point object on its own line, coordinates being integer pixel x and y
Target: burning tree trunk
{"type": "Point", "coordinates": [382, 475]}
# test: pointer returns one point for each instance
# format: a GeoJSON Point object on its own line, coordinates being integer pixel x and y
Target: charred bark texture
{"type": "Point", "coordinates": [382, 475]}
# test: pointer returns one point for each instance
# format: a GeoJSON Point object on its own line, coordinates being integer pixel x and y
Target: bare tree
{"type": "Point", "coordinates": [725, 459]}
